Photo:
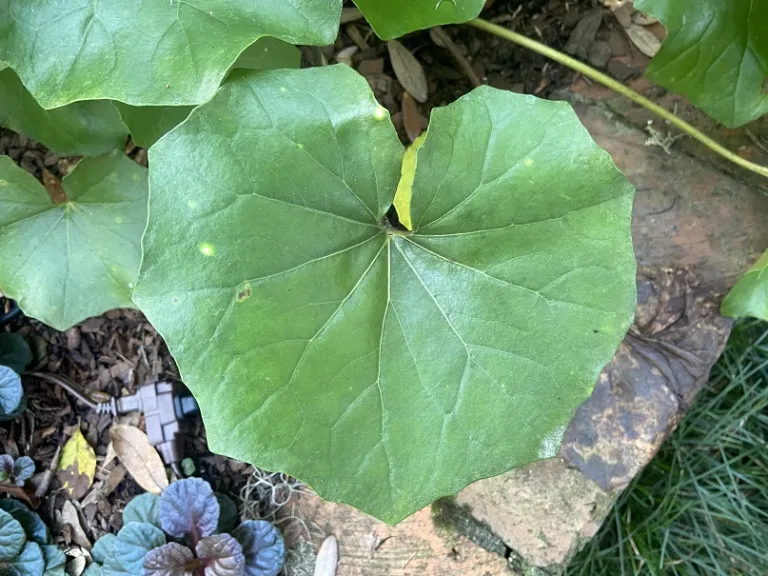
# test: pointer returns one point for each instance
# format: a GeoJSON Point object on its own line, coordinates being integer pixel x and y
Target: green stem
{"type": "Point", "coordinates": [609, 82]}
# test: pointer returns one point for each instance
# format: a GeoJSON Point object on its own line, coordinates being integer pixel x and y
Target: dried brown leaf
{"type": "Point", "coordinates": [139, 457]}
{"type": "Point", "coordinates": [644, 39]}
{"type": "Point", "coordinates": [70, 516]}
{"type": "Point", "coordinates": [408, 70]}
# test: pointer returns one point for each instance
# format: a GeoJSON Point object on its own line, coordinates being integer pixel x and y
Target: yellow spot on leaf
{"type": "Point", "coordinates": [380, 113]}
{"type": "Point", "coordinates": [77, 466]}
{"type": "Point", "coordinates": [528, 162]}
{"type": "Point", "coordinates": [206, 249]}
{"type": "Point", "coordinates": [405, 187]}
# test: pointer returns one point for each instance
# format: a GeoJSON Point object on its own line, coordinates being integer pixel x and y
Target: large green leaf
{"type": "Point", "coordinates": [393, 18]}
{"type": "Point", "coordinates": [716, 54]}
{"type": "Point", "coordinates": [385, 368]}
{"type": "Point", "coordinates": [149, 123]}
{"type": "Point", "coordinates": [750, 295]}
{"type": "Point", "coordinates": [80, 129]}
{"type": "Point", "coordinates": [146, 53]}
{"type": "Point", "coordinates": [66, 262]}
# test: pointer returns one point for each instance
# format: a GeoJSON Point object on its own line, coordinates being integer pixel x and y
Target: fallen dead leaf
{"type": "Point", "coordinates": [77, 466]}
{"type": "Point", "coordinates": [139, 457]}
{"type": "Point", "coordinates": [70, 516]}
{"type": "Point", "coordinates": [115, 477]}
{"type": "Point", "coordinates": [76, 566]}
{"type": "Point", "coordinates": [408, 70]}
{"type": "Point", "coordinates": [644, 39]}
{"type": "Point", "coordinates": [327, 557]}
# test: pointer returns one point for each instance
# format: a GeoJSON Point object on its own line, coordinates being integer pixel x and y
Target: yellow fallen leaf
{"type": "Point", "coordinates": [139, 457]}
{"type": "Point", "coordinates": [77, 466]}
{"type": "Point", "coordinates": [404, 188]}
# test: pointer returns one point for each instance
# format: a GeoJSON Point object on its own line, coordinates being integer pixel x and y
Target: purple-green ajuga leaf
{"type": "Point", "coordinates": [23, 469]}
{"type": "Point", "coordinates": [263, 547]}
{"type": "Point", "coordinates": [222, 555]}
{"type": "Point", "coordinates": [170, 560]}
{"type": "Point", "coordinates": [189, 508]}
{"type": "Point", "coordinates": [6, 467]}
{"type": "Point", "coordinates": [133, 543]}
{"type": "Point", "coordinates": [143, 508]}
{"type": "Point", "coordinates": [103, 548]}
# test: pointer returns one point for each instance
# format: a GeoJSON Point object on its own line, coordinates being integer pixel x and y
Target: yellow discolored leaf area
{"type": "Point", "coordinates": [404, 188]}
{"type": "Point", "coordinates": [77, 466]}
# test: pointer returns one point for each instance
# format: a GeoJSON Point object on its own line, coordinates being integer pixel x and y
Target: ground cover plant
{"type": "Point", "coordinates": [184, 531]}
{"type": "Point", "coordinates": [700, 507]}
{"type": "Point", "coordinates": [323, 333]}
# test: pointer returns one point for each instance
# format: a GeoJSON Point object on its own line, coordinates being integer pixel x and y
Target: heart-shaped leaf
{"type": "Point", "coordinates": [66, 262]}
{"type": "Point", "coordinates": [716, 54]}
{"type": "Point", "coordinates": [750, 295]}
{"type": "Point", "coordinates": [323, 342]}
{"type": "Point", "coordinates": [189, 508]}
{"type": "Point", "coordinates": [143, 508]}
{"type": "Point", "coordinates": [29, 562]}
{"type": "Point", "coordinates": [263, 547]}
{"type": "Point", "coordinates": [34, 527]}
{"type": "Point", "coordinates": [133, 543]}
{"type": "Point", "coordinates": [11, 391]}
{"type": "Point", "coordinates": [170, 560]}
{"type": "Point", "coordinates": [55, 560]}
{"type": "Point", "coordinates": [394, 18]}
{"type": "Point", "coordinates": [80, 129]}
{"type": "Point", "coordinates": [222, 555]}
{"type": "Point", "coordinates": [14, 352]}
{"type": "Point", "coordinates": [150, 53]}
{"type": "Point", "coordinates": [12, 537]}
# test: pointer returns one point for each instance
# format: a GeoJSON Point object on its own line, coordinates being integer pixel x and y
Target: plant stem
{"type": "Point", "coordinates": [609, 82]}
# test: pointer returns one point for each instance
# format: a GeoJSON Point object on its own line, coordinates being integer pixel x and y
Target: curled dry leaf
{"type": "Point", "coordinates": [408, 70]}
{"type": "Point", "coordinates": [77, 466]}
{"type": "Point", "coordinates": [70, 516]}
{"type": "Point", "coordinates": [644, 39]}
{"type": "Point", "coordinates": [139, 457]}
{"type": "Point", "coordinates": [327, 557]}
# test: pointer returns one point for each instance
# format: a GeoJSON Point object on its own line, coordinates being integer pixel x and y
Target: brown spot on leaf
{"type": "Point", "coordinates": [244, 292]}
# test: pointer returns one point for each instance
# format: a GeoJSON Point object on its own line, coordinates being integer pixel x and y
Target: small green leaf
{"type": "Point", "coordinates": [80, 129]}
{"type": "Point", "coordinates": [385, 369]}
{"type": "Point", "coordinates": [14, 352]}
{"type": "Point", "coordinates": [750, 295]}
{"type": "Point", "coordinates": [148, 124]}
{"type": "Point", "coordinates": [66, 262]}
{"type": "Point", "coordinates": [133, 542]}
{"type": "Point", "coordinates": [147, 53]}
{"type": "Point", "coordinates": [715, 54]}
{"type": "Point", "coordinates": [143, 508]}
{"type": "Point", "coordinates": [12, 537]}
{"type": "Point", "coordinates": [394, 18]}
